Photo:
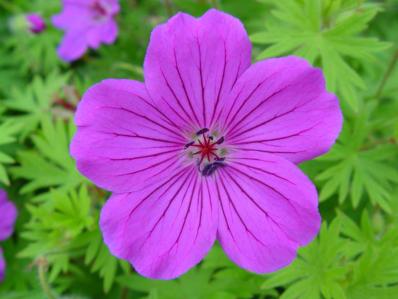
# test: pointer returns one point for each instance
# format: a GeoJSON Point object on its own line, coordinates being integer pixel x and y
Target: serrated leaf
{"type": "Point", "coordinates": [52, 166]}
{"type": "Point", "coordinates": [326, 32]}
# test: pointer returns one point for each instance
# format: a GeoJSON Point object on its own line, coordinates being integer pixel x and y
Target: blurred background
{"type": "Point", "coordinates": [57, 251]}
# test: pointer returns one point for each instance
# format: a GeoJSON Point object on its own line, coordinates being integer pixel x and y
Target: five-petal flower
{"type": "Point", "coordinates": [204, 150]}
{"type": "Point", "coordinates": [87, 24]}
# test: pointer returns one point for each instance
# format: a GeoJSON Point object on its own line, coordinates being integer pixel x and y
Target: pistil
{"type": "Point", "coordinates": [207, 149]}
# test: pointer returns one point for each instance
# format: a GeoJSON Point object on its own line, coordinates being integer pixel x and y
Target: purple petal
{"type": "Point", "coordinates": [191, 64]}
{"type": "Point", "coordinates": [72, 47]}
{"type": "Point", "coordinates": [281, 106]}
{"type": "Point", "coordinates": [106, 33]}
{"type": "Point", "coordinates": [73, 16]}
{"type": "Point", "coordinates": [165, 230]}
{"type": "Point", "coordinates": [123, 143]}
{"type": "Point", "coordinates": [8, 213]}
{"type": "Point", "coordinates": [2, 265]}
{"type": "Point", "coordinates": [268, 208]}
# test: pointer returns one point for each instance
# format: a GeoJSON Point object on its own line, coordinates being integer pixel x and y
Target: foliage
{"type": "Point", "coordinates": [326, 33]}
{"type": "Point", "coordinates": [356, 167]}
{"type": "Point", "coordinates": [58, 247]}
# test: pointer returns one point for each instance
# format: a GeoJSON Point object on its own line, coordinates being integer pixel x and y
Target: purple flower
{"type": "Point", "coordinates": [206, 149]}
{"type": "Point", "coordinates": [2, 265]}
{"type": "Point", "coordinates": [87, 24]}
{"type": "Point", "coordinates": [36, 23]}
{"type": "Point", "coordinates": [8, 214]}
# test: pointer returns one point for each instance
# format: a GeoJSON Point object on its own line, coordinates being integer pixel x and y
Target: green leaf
{"type": "Point", "coordinates": [316, 273]}
{"type": "Point", "coordinates": [325, 33]}
{"type": "Point", "coordinates": [53, 227]}
{"type": "Point", "coordinates": [8, 131]}
{"type": "Point", "coordinates": [51, 166]}
{"type": "Point", "coordinates": [34, 103]}
{"type": "Point", "coordinates": [355, 170]}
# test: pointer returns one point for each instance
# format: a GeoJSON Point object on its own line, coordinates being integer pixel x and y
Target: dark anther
{"type": "Point", "coordinates": [202, 131]}
{"type": "Point", "coordinates": [211, 137]}
{"type": "Point", "coordinates": [219, 159]}
{"type": "Point", "coordinates": [221, 140]}
{"type": "Point", "coordinates": [189, 144]}
{"type": "Point", "coordinates": [210, 168]}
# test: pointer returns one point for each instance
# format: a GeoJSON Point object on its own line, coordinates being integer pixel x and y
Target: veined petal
{"type": "Point", "coordinates": [8, 216]}
{"type": "Point", "coordinates": [268, 208]}
{"type": "Point", "coordinates": [191, 64]}
{"type": "Point", "coordinates": [164, 230]}
{"type": "Point", "coordinates": [123, 142]}
{"type": "Point", "coordinates": [281, 106]}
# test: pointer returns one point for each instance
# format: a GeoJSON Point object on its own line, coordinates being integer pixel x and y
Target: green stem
{"type": "Point", "coordinates": [9, 6]}
{"type": "Point", "coordinates": [133, 3]}
{"type": "Point", "coordinates": [387, 74]}
{"type": "Point", "coordinates": [215, 4]}
{"type": "Point", "coordinates": [124, 293]}
{"type": "Point", "coordinates": [43, 280]}
{"type": "Point", "coordinates": [169, 7]}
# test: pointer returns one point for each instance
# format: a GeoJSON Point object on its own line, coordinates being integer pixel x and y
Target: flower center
{"type": "Point", "coordinates": [100, 9]}
{"type": "Point", "coordinates": [205, 148]}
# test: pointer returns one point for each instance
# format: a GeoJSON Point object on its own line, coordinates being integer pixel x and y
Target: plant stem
{"type": "Point", "coordinates": [124, 293]}
{"type": "Point", "coordinates": [42, 265]}
{"type": "Point", "coordinates": [387, 74]}
{"type": "Point", "coordinates": [133, 3]}
{"type": "Point", "coordinates": [169, 7]}
{"type": "Point", "coordinates": [215, 4]}
{"type": "Point", "coordinates": [8, 6]}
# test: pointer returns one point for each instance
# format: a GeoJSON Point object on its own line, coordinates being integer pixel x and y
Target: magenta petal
{"type": "Point", "coordinates": [8, 214]}
{"type": "Point", "coordinates": [109, 32]}
{"type": "Point", "coordinates": [123, 143]}
{"type": "Point", "coordinates": [268, 208]}
{"type": "Point", "coordinates": [281, 106]}
{"type": "Point", "coordinates": [104, 33]}
{"type": "Point", "coordinates": [165, 230]}
{"type": "Point", "coordinates": [2, 265]}
{"type": "Point", "coordinates": [191, 64]}
{"type": "Point", "coordinates": [73, 17]}
{"type": "Point", "coordinates": [72, 47]}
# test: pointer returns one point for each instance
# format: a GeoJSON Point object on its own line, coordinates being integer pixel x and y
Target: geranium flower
{"type": "Point", "coordinates": [7, 220]}
{"type": "Point", "coordinates": [87, 24]}
{"type": "Point", "coordinates": [36, 23]}
{"type": "Point", "coordinates": [205, 150]}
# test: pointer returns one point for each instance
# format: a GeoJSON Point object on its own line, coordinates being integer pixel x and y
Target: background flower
{"type": "Point", "coordinates": [36, 23]}
{"type": "Point", "coordinates": [8, 214]}
{"type": "Point", "coordinates": [87, 24]}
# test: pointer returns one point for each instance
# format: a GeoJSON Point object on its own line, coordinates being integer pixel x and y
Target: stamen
{"type": "Point", "coordinates": [219, 141]}
{"type": "Point", "coordinates": [189, 144]}
{"type": "Point", "coordinates": [202, 131]}
{"type": "Point", "coordinates": [210, 168]}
